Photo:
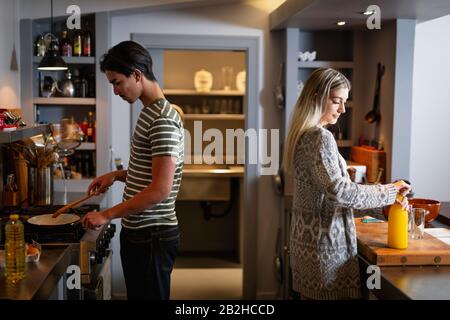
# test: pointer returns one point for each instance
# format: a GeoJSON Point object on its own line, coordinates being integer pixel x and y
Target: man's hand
{"type": "Point", "coordinates": [94, 220]}
{"type": "Point", "coordinates": [102, 183]}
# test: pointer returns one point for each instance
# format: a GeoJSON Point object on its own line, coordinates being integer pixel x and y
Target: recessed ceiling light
{"type": "Point", "coordinates": [341, 23]}
{"type": "Point", "coordinates": [369, 12]}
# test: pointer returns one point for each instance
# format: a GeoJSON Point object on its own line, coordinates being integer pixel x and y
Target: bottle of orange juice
{"type": "Point", "coordinates": [398, 226]}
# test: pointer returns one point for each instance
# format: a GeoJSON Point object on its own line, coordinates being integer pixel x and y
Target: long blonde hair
{"type": "Point", "coordinates": [310, 107]}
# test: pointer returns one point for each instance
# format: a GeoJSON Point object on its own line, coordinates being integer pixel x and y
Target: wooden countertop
{"type": "Point", "coordinates": [414, 282]}
{"type": "Point", "coordinates": [41, 278]}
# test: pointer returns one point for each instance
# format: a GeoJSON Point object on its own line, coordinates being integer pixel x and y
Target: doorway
{"type": "Point", "coordinates": [157, 44]}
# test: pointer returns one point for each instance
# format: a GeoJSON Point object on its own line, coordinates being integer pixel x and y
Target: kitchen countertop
{"type": "Point", "coordinates": [42, 277]}
{"type": "Point", "coordinates": [415, 282]}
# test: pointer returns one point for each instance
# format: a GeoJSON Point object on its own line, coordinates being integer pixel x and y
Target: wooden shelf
{"type": "Point", "coordinates": [344, 143]}
{"type": "Point", "coordinates": [22, 133]}
{"type": "Point", "coordinates": [65, 101]}
{"type": "Point", "coordinates": [326, 64]}
{"type": "Point", "coordinates": [87, 146]}
{"type": "Point", "coordinates": [71, 60]}
{"type": "Point", "coordinates": [214, 117]}
{"type": "Point", "coordinates": [187, 92]}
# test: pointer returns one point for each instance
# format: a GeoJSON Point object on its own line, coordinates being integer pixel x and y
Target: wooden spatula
{"type": "Point", "coordinates": [70, 205]}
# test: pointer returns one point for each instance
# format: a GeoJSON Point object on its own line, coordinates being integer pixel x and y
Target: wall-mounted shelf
{"type": "Point", "coordinates": [65, 101]}
{"type": "Point", "coordinates": [71, 60]}
{"type": "Point", "coordinates": [186, 92]}
{"type": "Point", "coordinates": [214, 117]}
{"type": "Point", "coordinates": [22, 133]}
{"type": "Point", "coordinates": [326, 64]}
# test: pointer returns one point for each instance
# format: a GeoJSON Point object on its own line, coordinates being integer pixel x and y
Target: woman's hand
{"type": "Point", "coordinates": [403, 189]}
{"type": "Point", "coordinates": [102, 183]}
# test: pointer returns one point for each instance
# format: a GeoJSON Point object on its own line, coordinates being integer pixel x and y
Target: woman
{"type": "Point", "coordinates": [323, 238]}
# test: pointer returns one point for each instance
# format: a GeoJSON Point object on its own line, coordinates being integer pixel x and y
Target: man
{"type": "Point", "coordinates": [149, 239]}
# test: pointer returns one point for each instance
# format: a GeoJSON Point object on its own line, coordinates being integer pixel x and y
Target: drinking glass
{"type": "Point", "coordinates": [418, 226]}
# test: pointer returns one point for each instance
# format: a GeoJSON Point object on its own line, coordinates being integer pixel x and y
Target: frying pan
{"type": "Point", "coordinates": [46, 220]}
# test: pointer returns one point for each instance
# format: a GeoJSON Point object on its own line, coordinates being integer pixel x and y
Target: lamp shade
{"type": "Point", "coordinates": [52, 61]}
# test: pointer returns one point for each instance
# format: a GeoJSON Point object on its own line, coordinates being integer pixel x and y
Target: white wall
{"type": "Point", "coordinates": [430, 144]}
{"type": "Point", "coordinates": [9, 79]}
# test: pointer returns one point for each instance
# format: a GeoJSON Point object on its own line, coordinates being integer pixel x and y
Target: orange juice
{"type": "Point", "coordinates": [397, 227]}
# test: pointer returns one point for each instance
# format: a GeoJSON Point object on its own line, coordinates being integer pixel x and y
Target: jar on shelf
{"type": "Point", "coordinates": [203, 81]}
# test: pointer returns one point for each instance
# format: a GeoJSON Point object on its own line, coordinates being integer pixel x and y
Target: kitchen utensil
{"type": "Point", "coordinates": [418, 222]}
{"type": "Point", "coordinates": [48, 220]}
{"type": "Point", "coordinates": [68, 136]}
{"type": "Point", "coordinates": [40, 185]}
{"type": "Point", "coordinates": [374, 116]}
{"type": "Point", "coordinates": [278, 91]}
{"type": "Point", "coordinates": [71, 205]}
{"type": "Point", "coordinates": [433, 206]}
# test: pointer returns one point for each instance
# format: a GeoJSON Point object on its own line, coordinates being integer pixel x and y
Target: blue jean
{"type": "Point", "coordinates": [148, 256]}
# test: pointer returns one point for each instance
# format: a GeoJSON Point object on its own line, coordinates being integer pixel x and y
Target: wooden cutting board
{"type": "Point", "coordinates": [372, 245]}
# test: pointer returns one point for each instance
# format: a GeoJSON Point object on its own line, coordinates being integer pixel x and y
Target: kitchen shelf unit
{"type": "Point", "coordinates": [38, 108]}
{"type": "Point", "coordinates": [220, 104]}
{"type": "Point", "coordinates": [334, 50]}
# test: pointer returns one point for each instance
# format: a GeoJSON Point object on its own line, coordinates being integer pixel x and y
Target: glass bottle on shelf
{"type": "Point", "coordinates": [10, 192]}
{"type": "Point", "coordinates": [84, 127]}
{"type": "Point", "coordinates": [90, 130]}
{"type": "Point", "coordinates": [83, 87]}
{"type": "Point", "coordinates": [87, 42]}
{"type": "Point", "coordinates": [77, 82]}
{"type": "Point", "coordinates": [40, 46]}
{"type": "Point", "coordinates": [77, 44]}
{"type": "Point", "coordinates": [91, 85]}
{"type": "Point", "coordinates": [66, 45]}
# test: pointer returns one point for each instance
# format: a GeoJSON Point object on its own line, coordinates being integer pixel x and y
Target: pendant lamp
{"type": "Point", "coordinates": [52, 61]}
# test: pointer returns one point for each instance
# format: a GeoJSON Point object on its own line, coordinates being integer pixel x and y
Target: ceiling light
{"type": "Point", "coordinates": [52, 61]}
{"type": "Point", "coordinates": [341, 23]}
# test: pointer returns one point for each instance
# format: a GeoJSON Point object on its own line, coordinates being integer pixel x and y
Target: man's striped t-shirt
{"type": "Point", "coordinates": [159, 132]}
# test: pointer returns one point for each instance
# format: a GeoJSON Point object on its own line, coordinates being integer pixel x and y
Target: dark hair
{"type": "Point", "coordinates": [126, 57]}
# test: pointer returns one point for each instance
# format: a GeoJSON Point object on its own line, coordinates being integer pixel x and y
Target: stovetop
{"type": "Point", "coordinates": [70, 233]}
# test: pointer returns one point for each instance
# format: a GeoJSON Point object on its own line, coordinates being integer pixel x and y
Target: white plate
{"type": "Point", "coordinates": [48, 220]}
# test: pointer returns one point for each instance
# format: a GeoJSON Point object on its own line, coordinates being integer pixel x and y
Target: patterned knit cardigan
{"type": "Point", "coordinates": [323, 237]}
